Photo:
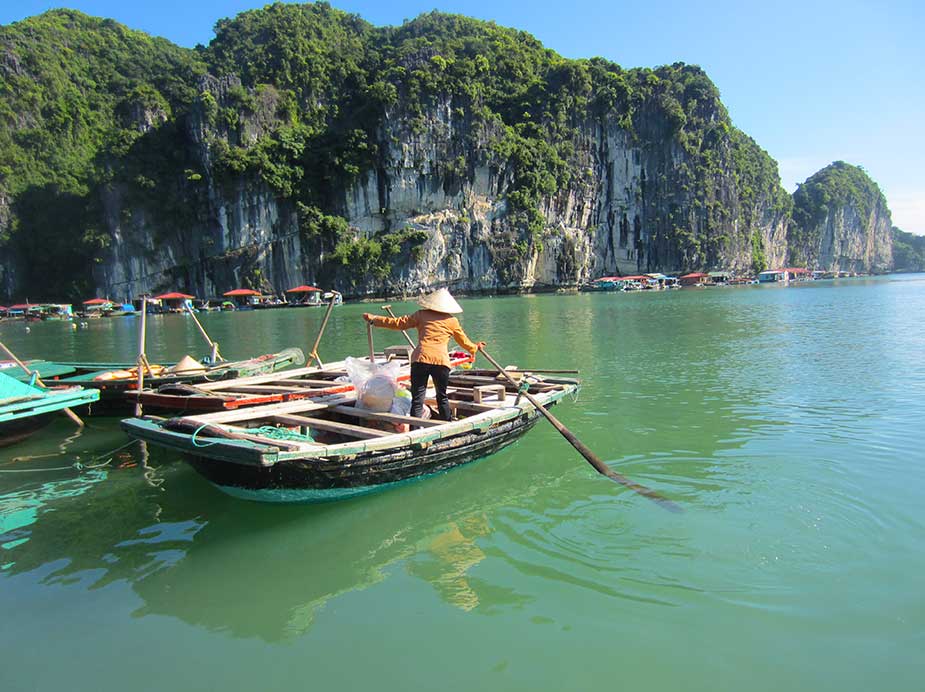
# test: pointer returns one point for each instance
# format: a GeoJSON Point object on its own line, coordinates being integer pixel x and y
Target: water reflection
{"type": "Point", "coordinates": [778, 429]}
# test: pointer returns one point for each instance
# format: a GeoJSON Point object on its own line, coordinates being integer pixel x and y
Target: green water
{"type": "Point", "coordinates": [788, 422]}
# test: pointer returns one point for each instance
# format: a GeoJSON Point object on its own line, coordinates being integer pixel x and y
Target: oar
{"type": "Point", "coordinates": [68, 412]}
{"type": "Point", "coordinates": [205, 335]}
{"type": "Point", "coordinates": [324, 323]}
{"type": "Point", "coordinates": [388, 309]}
{"type": "Point", "coordinates": [142, 359]}
{"type": "Point", "coordinates": [590, 456]}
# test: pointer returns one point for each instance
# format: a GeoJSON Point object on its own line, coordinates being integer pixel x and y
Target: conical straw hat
{"type": "Point", "coordinates": [187, 364]}
{"type": "Point", "coordinates": [441, 301]}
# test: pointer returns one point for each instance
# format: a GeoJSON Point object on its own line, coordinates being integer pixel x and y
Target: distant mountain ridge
{"type": "Point", "coordinates": [304, 144]}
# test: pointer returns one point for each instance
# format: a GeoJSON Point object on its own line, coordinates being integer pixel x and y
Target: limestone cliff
{"type": "Point", "coordinates": [305, 145]}
{"type": "Point", "coordinates": [841, 222]}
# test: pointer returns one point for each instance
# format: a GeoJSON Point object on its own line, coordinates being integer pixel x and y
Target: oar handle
{"type": "Point", "coordinates": [583, 449]}
{"type": "Point", "coordinates": [388, 309]}
{"type": "Point", "coordinates": [324, 323]}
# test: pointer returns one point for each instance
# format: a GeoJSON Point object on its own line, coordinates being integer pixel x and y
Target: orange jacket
{"type": "Point", "coordinates": [434, 331]}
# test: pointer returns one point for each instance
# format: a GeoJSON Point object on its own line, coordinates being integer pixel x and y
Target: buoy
{"type": "Point", "coordinates": [73, 326]}
{"type": "Point", "coordinates": [28, 330]}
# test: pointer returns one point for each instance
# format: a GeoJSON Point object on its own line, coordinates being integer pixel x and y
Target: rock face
{"type": "Point", "coordinates": [841, 222]}
{"type": "Point", "coordinates": [635, 208]}
{"type": "Point", "coordinates": [305, 146]}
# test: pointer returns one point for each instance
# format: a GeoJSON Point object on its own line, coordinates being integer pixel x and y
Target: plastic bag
{"type": "Point", "coordinates": [401, 404]}
{"type": "Point", "coordinates": [375, 384]}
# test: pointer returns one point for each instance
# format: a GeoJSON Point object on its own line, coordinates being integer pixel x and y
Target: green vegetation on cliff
{"type": "Point", "coordinates": [299, 96]}
{"type": "Point", "coordinates": [908, 251]}
{"type": "Point", "coordinates": [76, 93]}
{"type": "Point", "coordinates": [838, 185]}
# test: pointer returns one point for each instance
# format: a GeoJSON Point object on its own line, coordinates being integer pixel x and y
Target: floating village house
{"type": "Point", "coordinates": [694, 279]}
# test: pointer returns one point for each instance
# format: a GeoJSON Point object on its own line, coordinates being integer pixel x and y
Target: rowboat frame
{"type": "Point", "coordinates": [244, 462]}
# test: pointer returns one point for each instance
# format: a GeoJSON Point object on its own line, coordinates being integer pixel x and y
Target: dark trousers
{"type": "Point", "coordinates": [441, 376]}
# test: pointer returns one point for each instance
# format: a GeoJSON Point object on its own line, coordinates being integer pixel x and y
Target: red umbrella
{"type": "Point", "coordinates": [21, 306]}
{"type": "Point", "coordinates": [302, 289]}
{"type": "Point", "coordinates": [97, 301]}
{"type": "Point", "coordinates": [241, 292]}
{"type": "Point", "coordinates": [174, 296]}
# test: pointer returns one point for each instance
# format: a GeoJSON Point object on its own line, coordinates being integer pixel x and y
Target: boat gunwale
{"type": "Point", "coordinates": [268, 453]}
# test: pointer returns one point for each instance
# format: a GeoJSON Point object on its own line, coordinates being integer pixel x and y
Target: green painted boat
{"type": "Point", "coordinates": [118, 382]}
{"type": "Point", "coordinates": [327, 448]}
{"type": "Point", "coordinates": [26, 407]}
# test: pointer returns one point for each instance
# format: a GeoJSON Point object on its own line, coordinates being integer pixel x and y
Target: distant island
{"type": "Point", "coordinates": [304, 145]}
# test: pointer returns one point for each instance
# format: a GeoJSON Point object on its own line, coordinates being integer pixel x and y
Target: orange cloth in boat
{"type": "Point", "coordinates": [434, 331]}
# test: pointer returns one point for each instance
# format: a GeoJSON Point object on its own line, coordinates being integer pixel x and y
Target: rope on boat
{"type": "Point", "coordinates": [77, 465]}
{"type": "Point", "coordinates": [196, 432]}
{"type": "Point", "coordinates": [281, 434]}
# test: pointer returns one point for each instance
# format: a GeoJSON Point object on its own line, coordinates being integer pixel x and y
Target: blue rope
{"type": "Point", "coordinates": [193, 438]}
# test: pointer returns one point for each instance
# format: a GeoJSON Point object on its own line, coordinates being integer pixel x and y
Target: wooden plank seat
{"type": "Point", "coordinates": [387, 417]}
{"type": "Point", "coordinates": [331, 426]}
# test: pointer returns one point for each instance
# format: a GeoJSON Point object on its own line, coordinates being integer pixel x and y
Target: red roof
{"type": "Point", "coordinates": [97, 301]}
{"type": "Point", "coordinates": [174, 296]}
{"type": "Point", "coordinates": [635, 278]}
{"type": "Point", "coordinates": [795, 270]}
{"type": "Point", "coordinates": [300, 289]}
{"type": "Point", "coordinates": [21, 306]}
{"type": "Point", "coordinates": [695, 275]}
{"type": "Point", "coordinates": [241, 292]}
{"type": "Point", "coordinates": [608, 278]}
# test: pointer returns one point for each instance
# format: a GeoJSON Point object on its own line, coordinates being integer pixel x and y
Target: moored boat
{"type": "Point", "coordinates": [327, 448]}
{"type": "Point", "coordinates": [288, 385]}
{"type": "Point", "coordinates": [26, 407]}
{"type": "Point", "coordinates": [115, 380]}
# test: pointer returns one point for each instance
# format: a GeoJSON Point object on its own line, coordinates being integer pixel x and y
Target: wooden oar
{"type": "Point", "coordinates": [324, 323]}
{"type": "Point", "coordinates": [215, 356]}
{"type": "Point", "coordinates": [388, 309]}
{"type": "Point", "coordinates": [68, 412]}
{"type": "Point", "coordinates": [590, 456]}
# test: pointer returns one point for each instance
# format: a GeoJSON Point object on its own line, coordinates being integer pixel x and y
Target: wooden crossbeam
{"type": "Point", "coordinates": [257, 413]}
{"type": "Point", "coordinates": [388, 417]}
{"type": "Point", "coordinates": [332, 426]}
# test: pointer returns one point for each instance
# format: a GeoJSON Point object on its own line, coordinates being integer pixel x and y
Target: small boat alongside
{"type": "Point", "coordinates": [26, 407]}
{"type": "Point", "coordinates": [116, 381]}
{"type": "Point", "coordinates": [279, 387]}
{"type": "Point", "coordinates": [327, 448]}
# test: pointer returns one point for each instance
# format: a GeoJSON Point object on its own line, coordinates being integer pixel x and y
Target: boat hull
{"type": "Point", "coordinates": [14, 431]}
{"type": "Point", "coordinates": [320, 480]}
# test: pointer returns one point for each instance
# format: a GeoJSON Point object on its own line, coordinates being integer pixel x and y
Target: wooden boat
{"type": "Point", "coordinates": [322, 449]}
{"type": "Point", "coordinates": [26, 407]}
{"type": "Point", "coordinates": [289, 385]}
{"type": "Point", "coordinates": [115, 381]}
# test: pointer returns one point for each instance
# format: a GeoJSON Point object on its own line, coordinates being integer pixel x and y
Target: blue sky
{"type": "Point", "coordinates": [812, 82]}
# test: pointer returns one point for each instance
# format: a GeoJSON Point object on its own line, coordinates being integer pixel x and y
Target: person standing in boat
{"type": "Point", "coordinates": [435, 324]}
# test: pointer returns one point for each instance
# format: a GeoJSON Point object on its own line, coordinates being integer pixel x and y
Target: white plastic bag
{"type": "Point", "coordinates": [375, 384]}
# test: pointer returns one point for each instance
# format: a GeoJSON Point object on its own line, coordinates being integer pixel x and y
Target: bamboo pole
{"type": "Point", "coordinates": [589, 456]}
{"type": "Point", "coordinates": [38, 380]}
{"type": "Point", "coordinates": [324, 323]}
{"type": "Point", "coordinates": [212, 344]}
{"type": "Point", "coordinates": [388, 309]}
{"type": "Point", "coordinates": [142, 358]}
